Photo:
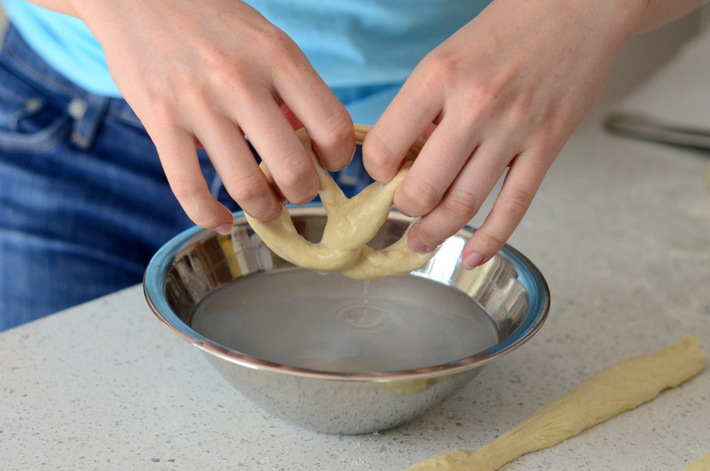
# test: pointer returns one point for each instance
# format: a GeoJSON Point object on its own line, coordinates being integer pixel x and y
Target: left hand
{"type": "Point", "coordinates": [505, 91]}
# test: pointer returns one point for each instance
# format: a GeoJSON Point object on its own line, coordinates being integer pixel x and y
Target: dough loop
{"type": "Point", "coordinates": [351, 224]}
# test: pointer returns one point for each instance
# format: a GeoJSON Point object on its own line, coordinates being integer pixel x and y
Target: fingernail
{"type": "Point", "coordinates": [225, 228]}
{"type": "Point", "coordinates": [473, 260]}
{"type": "Point", "coordinates": [417, 246]}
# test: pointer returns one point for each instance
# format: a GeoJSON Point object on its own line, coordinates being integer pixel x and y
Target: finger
{"type": "Point", "coordinates": [178, 156]}
{"type": "Point", "coordinates": [407, 118]}
{"type": "Point", "coordinates": [519, 188]}
{"type": "Point", "coordinates": [439, 162]}
{"type": "Point", "coordinates": [280, 148]}
{"type": "Point", "coordinates": [238, 169]}
{"type": "Point", "coordinates": [325, 119]}
{"type": "Point", "coordinates": [463, 198]}
{"type": "Point", "coordinates": [292, 118]}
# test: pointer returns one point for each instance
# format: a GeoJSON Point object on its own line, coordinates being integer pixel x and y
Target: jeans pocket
{"type": "Point", "coordinates": [28, 124]}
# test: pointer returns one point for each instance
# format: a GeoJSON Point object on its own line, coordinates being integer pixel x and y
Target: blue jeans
{"type": "Point", "coordinates": [84, 203]}
{"type": "Point", "coordinates": [83, 199]}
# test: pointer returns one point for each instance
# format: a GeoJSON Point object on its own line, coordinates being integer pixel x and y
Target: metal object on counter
{"type": "Point", "coordinates": [321, 396]}
{"type": "Point", "coordinates": [644, 127]}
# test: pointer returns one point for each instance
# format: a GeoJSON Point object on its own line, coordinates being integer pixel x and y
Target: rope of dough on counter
{"type": "Point", "coordinates": [701, 464]}
{"type": "Point", "coordinates": [621, 387]}
{"type": "Point", "coordinates": [351, 224]}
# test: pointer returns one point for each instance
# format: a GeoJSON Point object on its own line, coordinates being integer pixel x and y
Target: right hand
{"type": "Point", "coordinates": [205, 74]}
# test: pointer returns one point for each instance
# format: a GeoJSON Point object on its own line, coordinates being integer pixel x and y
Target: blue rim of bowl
{"type": "Point", "coordinates": [528, 275]}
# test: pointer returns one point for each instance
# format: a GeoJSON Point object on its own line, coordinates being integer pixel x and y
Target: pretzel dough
{"type": "Point", "coordinates": [623, 386]}
{"type": "Point", "coordinates": [352, 222]}
{"type": "Point", "coordinates": [701, 464]}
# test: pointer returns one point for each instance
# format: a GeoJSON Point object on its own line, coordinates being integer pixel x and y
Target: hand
{"type": "Point", "coordinates": [506, 91]}
{"type": "Point", "coordinates": [204, 74]}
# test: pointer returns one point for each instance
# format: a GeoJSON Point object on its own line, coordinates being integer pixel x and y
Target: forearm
{"type": "Point", "coordinates": [647, 14]}
{"type": "Point", "coordinates": [614, 20]}
{"type": "Point", "coordinates": [655, 13]}
{"type": "Point", "coordinates": [62, 6]}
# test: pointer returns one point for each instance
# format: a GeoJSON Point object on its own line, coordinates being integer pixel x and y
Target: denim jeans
{"type": "Point", "coordinates": [84, 202]}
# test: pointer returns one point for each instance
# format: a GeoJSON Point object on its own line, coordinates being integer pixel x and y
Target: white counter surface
{"type": "Point", "coordinates": [621, 231]}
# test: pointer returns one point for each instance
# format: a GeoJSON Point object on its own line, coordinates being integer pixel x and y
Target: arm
{"type": "Point", "coordinates": [204, 74]}
{"type": "Point", "coordinates": [503, 94]}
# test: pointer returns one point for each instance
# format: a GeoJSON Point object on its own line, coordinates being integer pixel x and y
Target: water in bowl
{"type": "Point", "coordinates": [332, 323]}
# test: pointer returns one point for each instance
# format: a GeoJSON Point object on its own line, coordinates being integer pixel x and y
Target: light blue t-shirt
{"type": "Point", "coordinates": [363, 49]}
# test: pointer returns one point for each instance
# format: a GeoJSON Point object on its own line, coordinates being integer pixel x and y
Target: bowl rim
{"type": "Point", "coordinates": [528, 275]}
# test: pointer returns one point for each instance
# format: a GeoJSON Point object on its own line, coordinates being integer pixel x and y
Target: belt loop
{"type": "Point", "coordinates": [87, 112]}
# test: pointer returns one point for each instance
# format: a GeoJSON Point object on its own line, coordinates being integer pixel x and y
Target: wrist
{"type": "Point", "coordinates": [651, 14]}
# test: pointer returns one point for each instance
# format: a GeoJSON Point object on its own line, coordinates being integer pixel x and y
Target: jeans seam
{"type": "Point", "coordinates": [85, 127]}
{"type": "Point", "coordinates": [29, 71]}
{"type": "Point", "coordinates": [28, 144]}
{"type": "Point", "coordinates": [49, 81]}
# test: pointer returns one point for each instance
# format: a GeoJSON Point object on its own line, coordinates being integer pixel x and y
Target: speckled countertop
{"type": "Point", "coordinates": [621, 230]}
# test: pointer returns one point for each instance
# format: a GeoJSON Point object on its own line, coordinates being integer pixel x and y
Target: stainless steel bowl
{"type": "Point", "coordinates": [338, 355]}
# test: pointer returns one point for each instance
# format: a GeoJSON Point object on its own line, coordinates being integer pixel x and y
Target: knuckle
{"type": "Point", "coordinates": [444, 65]}
{"type": "Point", "coordinates": [376, 152]}
{"type": "Point", "coordinates": [489, 242]}
{"type": "Point", "coordinates": [275, 43]}
{"type": "Point", "coordinates": [517, 115]}
{"type": "Point", "coordinates": [295, 172]}
{"type": "Point", "coordinates": [448, 70]}
{"type": "Point", "coordinates": [421, 196]}
{"type": "Point", "coordinates": [211, 56]}
{"type": "Point", "coordinates": [246, 188]}
{"type": "Point", "coordinates": [461, 204]}
{"type": "Point", "coordinates": [185, 188]}
{"type": "Point", "coordinates": [515, 203]}
{"type": "Point", "coordinates": [226, 70]}
{"type": "Point", "coordinates": [264, 212]}
{"type": "Point", "coordinates": [297, 180]}
{"type": "Point", "coordinates": [335, 140]}
{"type": "Point", "coordinates": [162, 116]}
{"type": "Point", "coordinates": [338, 123]}
{"type": "Point", "coordinates": [430, 237]}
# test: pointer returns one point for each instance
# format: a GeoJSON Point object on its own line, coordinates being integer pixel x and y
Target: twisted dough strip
{"type": "Point", "coordinates": [351, 223]}
{"type": "Point", "coordinates": [622, 386]}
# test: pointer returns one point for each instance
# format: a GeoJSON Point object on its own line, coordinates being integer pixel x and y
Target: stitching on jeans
{"type": "Point", "coordinates": [30, 71]}
{"type": "Point", "coordinates": [85, 127]}
{"type": "Point", "coordinates": [54, 83]}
